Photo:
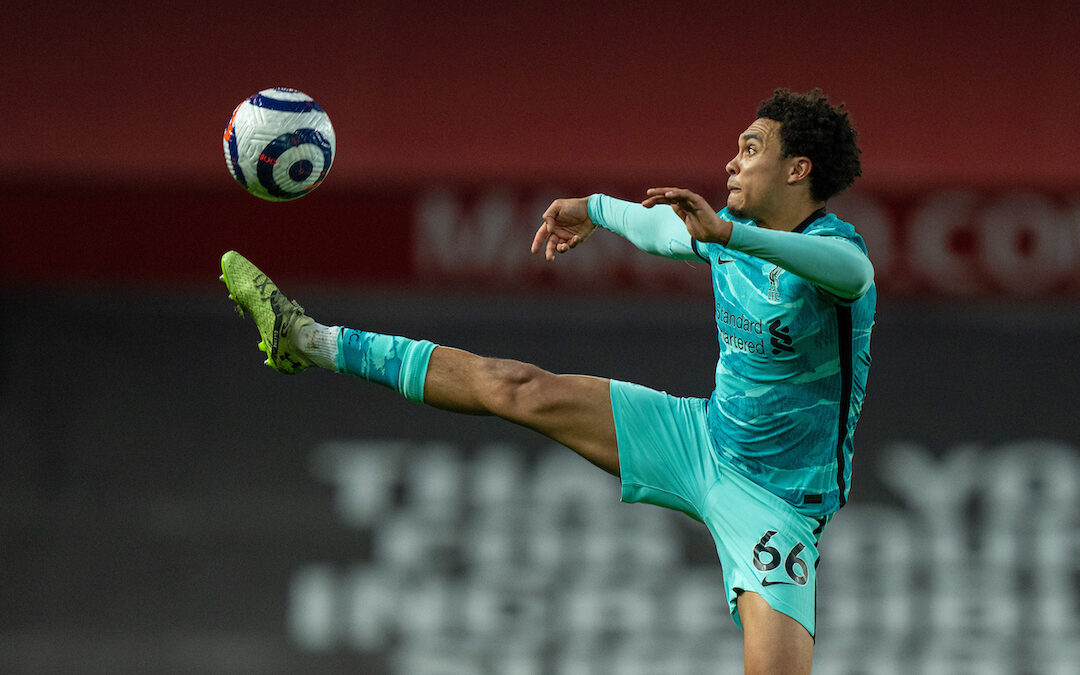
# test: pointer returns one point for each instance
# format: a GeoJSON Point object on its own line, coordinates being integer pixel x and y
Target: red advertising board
{"type": "Point", "coordinates": [960, 242]}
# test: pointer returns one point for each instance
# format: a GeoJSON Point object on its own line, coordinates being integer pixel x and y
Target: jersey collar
{"type": "Point", "coordinates": [820, 213]}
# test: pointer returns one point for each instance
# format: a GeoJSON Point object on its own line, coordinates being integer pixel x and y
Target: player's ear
{"type": "Point", "coordinates": [799, 169]}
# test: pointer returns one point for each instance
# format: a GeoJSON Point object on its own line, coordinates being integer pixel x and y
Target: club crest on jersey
{"type": "Point", "coordinates": [774, 284]}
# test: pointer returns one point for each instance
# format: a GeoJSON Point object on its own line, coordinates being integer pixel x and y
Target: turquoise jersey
{"type": "Point", "coordinates": [791, 375]}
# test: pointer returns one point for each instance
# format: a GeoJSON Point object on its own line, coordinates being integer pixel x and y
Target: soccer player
{"type": "Point", "coordinates": [765, 461]}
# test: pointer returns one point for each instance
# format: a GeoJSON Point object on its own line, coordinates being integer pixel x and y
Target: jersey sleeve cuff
{"type": "Point", "coordinates": [596, 210]}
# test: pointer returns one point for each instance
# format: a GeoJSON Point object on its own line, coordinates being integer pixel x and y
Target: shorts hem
{"type": "Point", "coordinates": [775, 606]}
{"type": "Point", "coordinates": [633, 492]}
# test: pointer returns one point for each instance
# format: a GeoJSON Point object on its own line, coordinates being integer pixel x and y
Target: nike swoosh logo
{"type": "Point", "coordinates": [766, 582]}
{"type": "Point", "coordinates": [721, 262]}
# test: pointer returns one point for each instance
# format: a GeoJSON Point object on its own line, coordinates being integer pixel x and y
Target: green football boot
{"type": "Point", "coordinates": [277, 318]}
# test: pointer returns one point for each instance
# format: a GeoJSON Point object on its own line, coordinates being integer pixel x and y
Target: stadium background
{"type": "Point", "coordinates": [167, 504]}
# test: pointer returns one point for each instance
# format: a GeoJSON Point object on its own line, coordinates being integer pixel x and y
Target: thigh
{"type": "Point", "coordinates": [664, 447]}
{"type": "Point", "coordinates": [765, 547]}
{"type": "Point", "coordinates": [773, 642]}
{"type": "Point", "coordinates": [574, 410]}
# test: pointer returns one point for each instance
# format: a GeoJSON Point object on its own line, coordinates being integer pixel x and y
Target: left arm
{"type": "Point", "coordinates": [833, 263]}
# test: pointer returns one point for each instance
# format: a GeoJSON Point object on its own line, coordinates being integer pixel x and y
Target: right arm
{"type": "Point", "coordinates": [568, 222]}
{"type": "Point", "coordinates": [657, 231]}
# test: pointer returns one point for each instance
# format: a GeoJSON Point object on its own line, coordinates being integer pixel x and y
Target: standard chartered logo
{"type": "Point", "coordinates": [746, 334]}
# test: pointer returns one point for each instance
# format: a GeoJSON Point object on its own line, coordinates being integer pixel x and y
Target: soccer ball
{"type": "Point", "coordinates": [279, 144]}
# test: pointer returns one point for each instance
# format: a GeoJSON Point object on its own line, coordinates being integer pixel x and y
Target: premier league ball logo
{"type": "Point", "coordinates": [279, 144]}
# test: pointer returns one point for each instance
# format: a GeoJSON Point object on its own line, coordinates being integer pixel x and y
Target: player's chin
{"type": "Point", "coordinates": [735, 204]}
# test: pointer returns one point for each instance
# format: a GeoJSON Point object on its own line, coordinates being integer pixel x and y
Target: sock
{"type": "Point", "coordinates": [395, 362]}
{"type": "Point", "coordinates": [319, 344]}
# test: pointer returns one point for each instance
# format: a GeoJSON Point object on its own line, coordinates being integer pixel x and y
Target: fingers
{"type": "Point", "coordinates": [548, 238]}
{"type": "Point", "coordinates": [541, 235]}
{"type": "Point", "coordinates": [545, 234]}
{"type": "Point", "coordinates": [559, 245]}
{"type": "Point", "coordinates": [551, 243]}
{"type": "Point", "coordinates": [669, 195]}
{"type": "Point", "coordinates": [561, 227]}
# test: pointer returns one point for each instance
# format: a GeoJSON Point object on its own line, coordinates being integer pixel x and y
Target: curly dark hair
{"type": "Point", "coordinates": [810, 127]}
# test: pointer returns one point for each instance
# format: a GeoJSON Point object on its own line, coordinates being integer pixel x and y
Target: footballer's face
{"type": "Point", "coordinates": [758, 174]}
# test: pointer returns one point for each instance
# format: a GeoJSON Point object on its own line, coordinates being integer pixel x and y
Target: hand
{"type": "Point", "coordinates": [566, 224]}
{"type": "Point", "coordinates": [701, 220]}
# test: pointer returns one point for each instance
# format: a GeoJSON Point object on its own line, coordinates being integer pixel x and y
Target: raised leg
{"type": "Point", "coordinates": [574, 410]}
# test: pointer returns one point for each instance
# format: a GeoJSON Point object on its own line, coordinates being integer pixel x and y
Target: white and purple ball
{"type": "Point", "coordinates": [279, 144]}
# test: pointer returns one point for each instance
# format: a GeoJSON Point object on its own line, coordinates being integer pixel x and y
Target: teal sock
{"type": "Point", "coordinates": [395, 362]}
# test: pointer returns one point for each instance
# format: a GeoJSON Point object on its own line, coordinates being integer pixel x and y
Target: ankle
{"type": "Point", "coordinates": [319, 344]}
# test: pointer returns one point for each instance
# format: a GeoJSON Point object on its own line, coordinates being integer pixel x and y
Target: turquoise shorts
{"type": "Point", "coordinates": [763, 543]}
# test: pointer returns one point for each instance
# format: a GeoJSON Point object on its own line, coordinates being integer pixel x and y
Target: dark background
{"type": "Point", "coordinates": [167, 504]}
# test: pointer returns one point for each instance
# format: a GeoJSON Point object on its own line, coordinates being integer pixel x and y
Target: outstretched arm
{"type": "Point", "coordinates": [568, 222]}
{"type": "Point", "coordinates": [833, 263]}
{"type": "Point", "coordinates": [655, 231]}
